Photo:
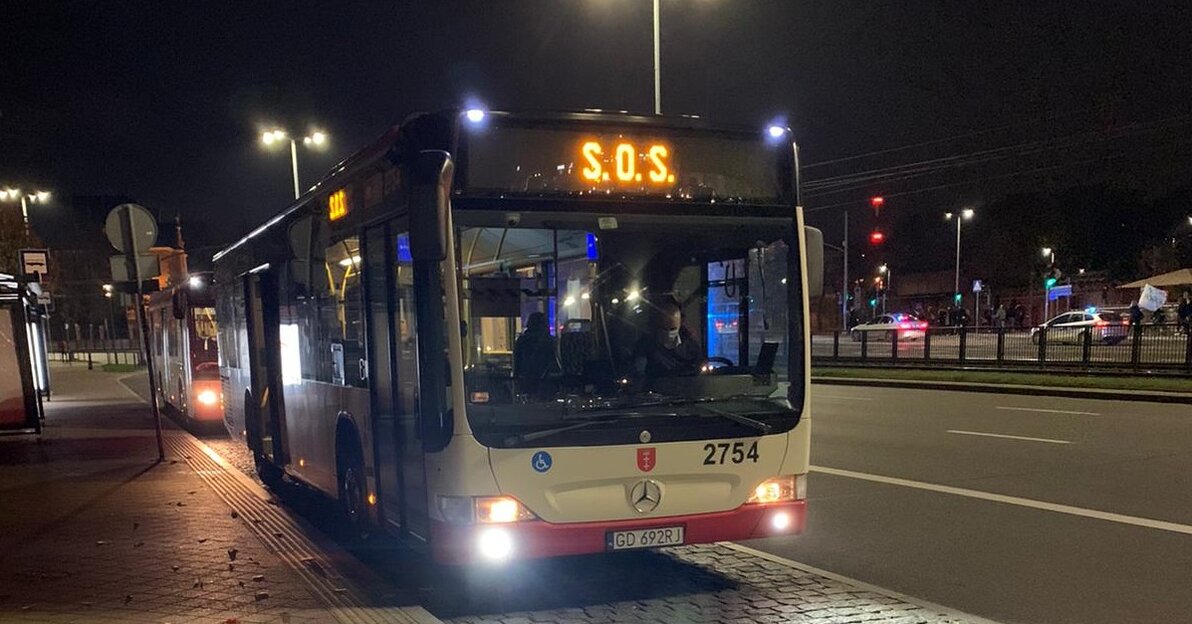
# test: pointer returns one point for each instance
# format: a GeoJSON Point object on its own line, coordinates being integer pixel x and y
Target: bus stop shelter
{"type": "Point", "coordinates": [23, 368]}
{"type": "Point", "coordinates": [1181, 277]}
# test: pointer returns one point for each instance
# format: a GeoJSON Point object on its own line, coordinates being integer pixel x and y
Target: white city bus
{"type": "Point", "coordinates": [182, 343]}
{"type": "Point", "coordinates": [465, 334]}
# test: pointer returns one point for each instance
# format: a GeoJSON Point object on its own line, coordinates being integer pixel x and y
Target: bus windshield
{"type": "Point", "coordinates": [581, 334]}
{"type": "Point", "coordinates": [203, 336]}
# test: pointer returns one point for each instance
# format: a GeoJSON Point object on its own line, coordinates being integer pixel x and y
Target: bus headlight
{"type": "Point", "coordinates": [495, 544]}
{"type": "Point", "coordinates": [208, 397]}
{"type": "Point", "coordinates": [501, 509]}
{"type": "Point", "coordinates": [483, 510]}
{"type": "Point", "coordinates": [780, 490]}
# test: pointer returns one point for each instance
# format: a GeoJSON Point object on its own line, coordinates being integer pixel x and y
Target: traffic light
{"type": "Point", "coordinates": [876, 237]}
{"type": "Point", "coordinates": [956, 298]}
{"type": "Point", "coordinates": [1049, 282]}
{"type": "Point", "coordinates": [873, 302]}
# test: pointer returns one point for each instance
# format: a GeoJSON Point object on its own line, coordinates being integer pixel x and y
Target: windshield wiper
{"type": "Point", "coordinates": [740, 419]}
{"type": "Point", "coordinates": [530, 436]}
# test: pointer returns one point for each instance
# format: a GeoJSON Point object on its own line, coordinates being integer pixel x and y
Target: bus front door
{"type": "Point", "coordinates": [263, 414]}
{"type": "Point", "coordinates": [393, 375]}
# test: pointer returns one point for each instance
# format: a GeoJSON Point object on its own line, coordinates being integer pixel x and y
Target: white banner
{"type": "Point", "coordinates": [1151, 298]}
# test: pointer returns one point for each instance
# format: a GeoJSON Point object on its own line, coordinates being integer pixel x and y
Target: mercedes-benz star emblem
{"type": "Point", "coordinates": [645, 495]}
{"type": "Point", "coordinates": [644, 437]}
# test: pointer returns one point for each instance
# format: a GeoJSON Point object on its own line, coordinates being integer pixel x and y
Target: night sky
{"type": "Point", "coordinates": [164, 101]}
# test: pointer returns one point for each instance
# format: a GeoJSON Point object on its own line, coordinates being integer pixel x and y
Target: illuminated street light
{"type": "Point", "coordinates": [36, 197]}
{"type": "Point", "coordinates": [317, 138]}
{"type": "Point", "coordinates": [884, 269]}
{"type": "Point", "coordinates": [966, 213]}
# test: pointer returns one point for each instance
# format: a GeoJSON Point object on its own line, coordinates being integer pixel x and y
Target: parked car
{"type": "Point", "coordinates": [884, 327]}
{"type": "Point", "coordinates": [1105, 326]}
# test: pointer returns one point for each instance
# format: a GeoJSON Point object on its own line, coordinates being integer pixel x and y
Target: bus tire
{"type": "Point", "coordinates": [349, 461]}
{"type": "Point", "coordinates": [267, 471]}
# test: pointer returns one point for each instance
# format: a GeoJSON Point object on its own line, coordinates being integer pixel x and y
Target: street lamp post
{"type": "Point", "coordinates": [657, 64]}
{"type": "Point", "coordinates": [315, 139]}
{"type": "Point", "coordinates": [1049, 255]}
{"type": "Point", "coordinates": [14, 194]}
{"type": "Point", "coordinates": [967, 213]}
{"type": "Point", "coordinates": [887, 278]}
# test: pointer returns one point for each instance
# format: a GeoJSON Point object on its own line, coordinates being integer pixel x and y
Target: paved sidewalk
{"type": "Point", "coordinates": [95, 529]}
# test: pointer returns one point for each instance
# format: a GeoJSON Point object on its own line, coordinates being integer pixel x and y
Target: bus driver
{"type": "Point", "coordinates": [668, 348]}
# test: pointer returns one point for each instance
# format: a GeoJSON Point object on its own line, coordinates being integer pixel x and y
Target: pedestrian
{"type": "Point", "coordinates": [999, 316]}
{"type": "Point", "coordinates": [1184, 312]}
{"type": "Point", "coordinates": [1135, 314]}
{"type": "Point", "coordinates": [1020, 315]}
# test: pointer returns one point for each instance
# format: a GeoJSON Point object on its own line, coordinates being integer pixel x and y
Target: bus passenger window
{"type": "Point", "coordinates": [340, 316]}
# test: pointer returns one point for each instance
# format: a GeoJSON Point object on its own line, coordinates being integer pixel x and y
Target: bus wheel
{"type": "Point", "coordinates": [269, 473]}
{"type": "Point", "coordinates": [353, 512]}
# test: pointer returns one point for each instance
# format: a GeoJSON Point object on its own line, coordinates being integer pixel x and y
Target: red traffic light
{"type": "Point", "coordinates": [877, 201]}
{"type": "Point", "coordinates": [876, 237]}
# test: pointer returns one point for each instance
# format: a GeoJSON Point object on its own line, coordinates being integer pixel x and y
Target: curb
{"type": "Point", "coordinates": [964, 386]}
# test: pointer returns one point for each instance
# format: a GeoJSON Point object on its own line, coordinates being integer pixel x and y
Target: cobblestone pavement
{"type": "Point", "coordinates": [96, 530]}
{"type": "Point", "coordinates": [712, 583]}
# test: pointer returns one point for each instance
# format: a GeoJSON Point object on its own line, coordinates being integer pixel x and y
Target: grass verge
{"type": "Point", "coordinates": [120, 368]}
{"type": "Point", "coordinates": [1166, 384]}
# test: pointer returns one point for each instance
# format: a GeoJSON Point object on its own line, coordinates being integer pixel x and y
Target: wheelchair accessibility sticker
{"type": "Point", "coordinates": [541, 461]}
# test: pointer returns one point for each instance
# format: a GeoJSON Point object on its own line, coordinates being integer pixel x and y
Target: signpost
{"type": "Point", "coordinates": [35, 262]}
{"type": "Point", "coordinates": [1055, 292]}
{"type": "Point", "coordinates": [977, 287]}
{"type": "Point", "coordinates": [132, 230]}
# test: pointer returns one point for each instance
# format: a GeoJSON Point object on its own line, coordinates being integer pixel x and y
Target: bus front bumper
{"type": "Point", "coordinates": [494, 543]}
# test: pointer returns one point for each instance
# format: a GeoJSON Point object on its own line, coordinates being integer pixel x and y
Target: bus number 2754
{"type": "Point", "coordinates": [736, 452]}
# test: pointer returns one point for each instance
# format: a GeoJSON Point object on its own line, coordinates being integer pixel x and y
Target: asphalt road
{"type": "Point", "coordinates": [1082, 513]}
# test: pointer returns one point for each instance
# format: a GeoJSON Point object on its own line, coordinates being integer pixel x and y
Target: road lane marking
{"type": "Point", "coordinates": [1048, 411]}
{"type": "Point", "coordinates": [967, 618]}
{"type": "Point", "coordinates": [1008, 437]}
{"type": "Point", "coordinates": [1147, 523]}
{"type": "Point", "coordinates": [839, 397]}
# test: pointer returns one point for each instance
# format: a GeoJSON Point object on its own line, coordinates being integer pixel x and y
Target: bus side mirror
{"type": "Point", "coordinates": [430, 199]}
{"type": "Point", "coordinates": [813, 244]}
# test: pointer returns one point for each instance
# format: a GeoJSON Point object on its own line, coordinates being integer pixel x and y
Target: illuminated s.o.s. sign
{"type": "Point", "coordinates": [622, 163]}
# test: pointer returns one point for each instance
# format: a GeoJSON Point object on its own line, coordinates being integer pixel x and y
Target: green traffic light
{"type": "Point", "coordinates": [956, 297]}
{"type": "Point", "coordinates": [1050, 282]}
{"type": "Point", "coordinates": [873, 303]}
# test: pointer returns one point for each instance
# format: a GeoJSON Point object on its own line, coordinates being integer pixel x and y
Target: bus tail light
{"type": "Point", "coordinates": [483, 510]}
{"type": "Point", "coordinates": [780, 490]}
